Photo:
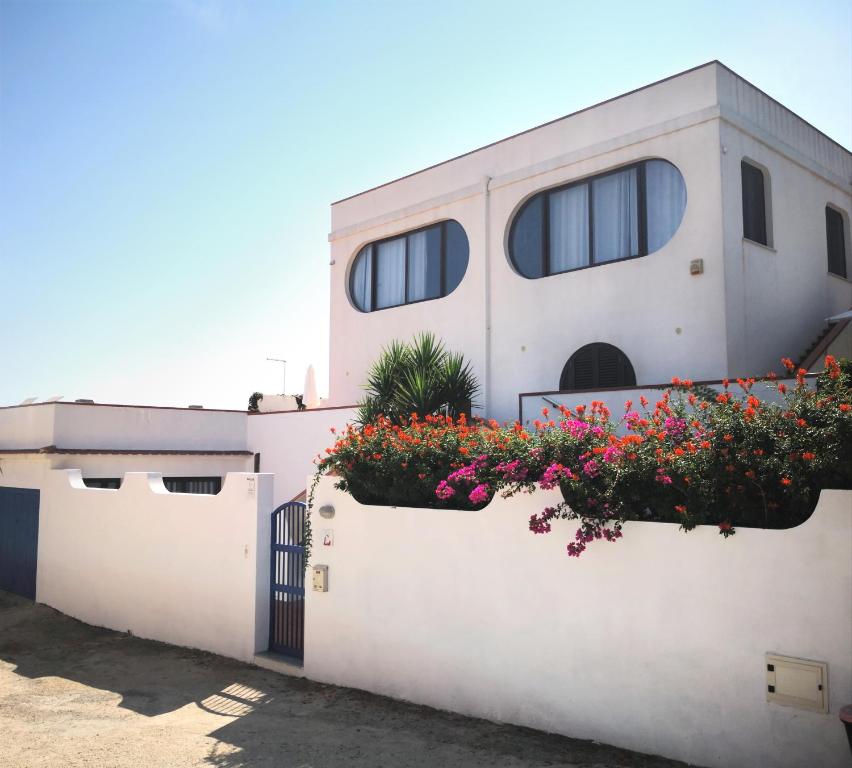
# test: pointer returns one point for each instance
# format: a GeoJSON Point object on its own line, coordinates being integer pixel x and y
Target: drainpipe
{"type": "Point", "coordinates": [486, 192]}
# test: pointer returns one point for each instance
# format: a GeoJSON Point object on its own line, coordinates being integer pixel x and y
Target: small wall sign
{"type": "Point", "coordinates": [328, 537]}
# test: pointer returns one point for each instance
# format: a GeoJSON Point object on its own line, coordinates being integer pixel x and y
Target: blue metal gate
{"type": "Point", "coordinates": [287, 588]}
{"type": "Point", "coordinates": [19, 540]}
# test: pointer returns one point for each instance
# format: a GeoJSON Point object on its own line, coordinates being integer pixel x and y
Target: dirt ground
{"type": "Point", "coordinates": [75, 695]}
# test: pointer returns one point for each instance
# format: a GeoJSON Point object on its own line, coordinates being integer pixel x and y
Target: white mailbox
{"type": "Point", "coordinates": [320, 580]}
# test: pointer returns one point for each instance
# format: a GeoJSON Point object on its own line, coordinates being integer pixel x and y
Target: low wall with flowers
{"type": "Point", "coordinates": [655, 643]}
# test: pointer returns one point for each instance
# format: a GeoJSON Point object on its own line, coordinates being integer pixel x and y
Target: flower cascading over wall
{"type": "Point", "coordinates": [691, 458]}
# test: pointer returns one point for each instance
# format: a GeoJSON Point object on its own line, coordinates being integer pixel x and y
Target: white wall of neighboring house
{"type": "Point", "coordinates": [129, 426]}
{"type": "Point", "coordinates": [289, 442]}
{"type": "Point", "coordinates": [181, 568]}
{"type": "Point", "coordinates": [27, 426]}
{"type": "Point", "coordinates": [655, 643]}
{"type": "Point", "coordinates": [740, 316]}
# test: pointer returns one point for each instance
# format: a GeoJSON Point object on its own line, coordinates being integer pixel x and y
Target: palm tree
{"type": "Point", "coordinates": [420, 377]}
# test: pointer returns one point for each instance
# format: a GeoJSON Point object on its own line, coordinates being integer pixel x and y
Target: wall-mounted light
{"type": "Point", "coordinates": [327, 511]}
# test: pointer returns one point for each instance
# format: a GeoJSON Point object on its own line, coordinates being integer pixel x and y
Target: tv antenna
{"type": "Point", "coordinates": [283, 373]}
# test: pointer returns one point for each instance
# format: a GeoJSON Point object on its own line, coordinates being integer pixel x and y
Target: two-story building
{"type": "Point", "coordinates": [692, 227]}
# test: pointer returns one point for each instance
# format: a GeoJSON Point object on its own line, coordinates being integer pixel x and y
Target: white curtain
{"type": "Point", "coordinates": [569, 228]}
{"type": "Point", "coordinates": [665, 201]}
{"type": "Point", "coordinates": [616, 220]}
{"type": "Point", "coordinates": [417, 265]}
{"type": "Point", "coordinates": [390, 273]}
{"type": "Point", "coordinates": [362, 279]}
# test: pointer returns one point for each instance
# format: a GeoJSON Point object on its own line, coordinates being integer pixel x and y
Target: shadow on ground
{"type": "Point", "coordinates": [274, 720]}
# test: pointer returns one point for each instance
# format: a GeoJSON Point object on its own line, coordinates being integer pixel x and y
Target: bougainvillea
{"type": "Point", "coordinates": [727, 460]}
{"type": "Point", "coordinates": [436, 461]}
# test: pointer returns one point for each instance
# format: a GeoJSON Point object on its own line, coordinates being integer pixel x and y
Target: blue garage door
{"type": "Point", "coordinates": [18, 540]}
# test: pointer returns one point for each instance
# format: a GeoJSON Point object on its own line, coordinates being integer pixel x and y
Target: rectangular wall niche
{"type": "Point", "coordinates": [797, 682]}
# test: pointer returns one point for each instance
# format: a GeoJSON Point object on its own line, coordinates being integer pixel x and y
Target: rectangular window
{"type": "Point", "coordinates": [208, 485]}
{"type": "Point", "coordinates": [102, 482]}
{"type": "Point", "coordinates": [836, 241]}
{"type": "Point", "coordinates": [754, 204]}
{"type": "Point", "coordinates": [615, 206]}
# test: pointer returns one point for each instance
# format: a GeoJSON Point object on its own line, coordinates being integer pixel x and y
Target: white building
{"type": "Point", "coordinates": [696, 225]}
{"type": "Point", "coordinates": [194, 449]}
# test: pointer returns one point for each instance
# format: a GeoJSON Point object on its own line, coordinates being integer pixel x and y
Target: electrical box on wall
{"type": "Point", "coordinates": [320, 580]}
{"type": "Point", "coordinates": [797, 682]}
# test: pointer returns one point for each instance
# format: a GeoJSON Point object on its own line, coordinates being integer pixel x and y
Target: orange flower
{"type": "Point", "coordinates": [808, 456]}
{"type": "Point", "coordinates": [680, 508]}
{"type": "Point", "coordinates": [786, 481]}
{"type": "Point", "coordinates": [845, 407]}
{"type": "Point", "coordinates": [728, 438]}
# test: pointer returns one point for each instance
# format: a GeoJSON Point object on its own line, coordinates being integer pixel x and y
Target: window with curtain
{"type": "Point", "coordinates": [621, 214]}
{"type": "Point", "coordinates": [417, 266]}
{"type": "Point", "coordinates": [835, 241]}
{"type": "Point", "coordinates": [207, 485]}
{"type": "Point", "coordinates": [754, 203]}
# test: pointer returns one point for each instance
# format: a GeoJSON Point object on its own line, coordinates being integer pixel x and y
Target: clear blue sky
{"type": "Point", "coordinates": [166, 167]}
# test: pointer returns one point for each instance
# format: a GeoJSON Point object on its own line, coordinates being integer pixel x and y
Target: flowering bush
{"type": "Point", "coordinates": [734, 460]}
{"type": "Point", "coordinates": [692, 458]}
{"type": "Point", "coordinates": [421, 462]}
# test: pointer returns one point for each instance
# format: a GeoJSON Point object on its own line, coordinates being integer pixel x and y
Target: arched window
{"type": "Point", "coordinates": [621, 214]}
{"type": "Point", "coordinates": [835, 235]}
{"type": "Point", "coordinates": [757, 203]}
{"type": "Point", "coordinates": [597, 366]}
{"type": "Point", "coordinates": [424, 264]}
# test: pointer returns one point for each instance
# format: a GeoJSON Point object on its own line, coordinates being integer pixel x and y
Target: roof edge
{"type": "Point", "coordinates": [586, 109]}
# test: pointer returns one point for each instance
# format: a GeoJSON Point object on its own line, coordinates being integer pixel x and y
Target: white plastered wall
{"type": "Point", "coordinates": [748, 308]}
{"type": "Point", "coordinates": [654, 643]}
{"type": "Point", "coordinates": [191, 570]}
{"type": "Point", "coordinates": [519, 333]}
{"type": "Point", "coordinates": [778, 297]}
{"type": "Point", "coordinates": [288, 443]}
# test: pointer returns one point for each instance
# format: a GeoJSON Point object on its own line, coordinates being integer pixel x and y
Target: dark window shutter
{"type": "Point", "coordinates": [835, 240]}
{"type": "Point", "coordinates": [596, 366]}
{"type": "Point", "coordinates": [754, 204]}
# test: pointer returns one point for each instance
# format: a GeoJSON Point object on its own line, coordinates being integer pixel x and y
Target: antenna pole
{"type": "Point", "coordinates": [283, 374]}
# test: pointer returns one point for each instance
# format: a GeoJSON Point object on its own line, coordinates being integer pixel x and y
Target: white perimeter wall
{"type": "Point", "coordinates": [187, 569]}
{"type": "Point", "coordinates": [654, 643]}
{"type": "Point", "coordinates": [288, 443]}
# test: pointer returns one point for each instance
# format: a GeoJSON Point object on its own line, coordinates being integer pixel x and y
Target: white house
{"type": "Point", "coordinates": [693, 227]}
{"type": "Point", "coordinates": [193, 449]}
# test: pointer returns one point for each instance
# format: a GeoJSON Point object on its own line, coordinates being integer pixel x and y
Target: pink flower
{"type": "Point", "coordinates": [591, 469]}
{"type": "Point", "coordinates": [444, 491]}
{"type": "Point", "coordinates": [611, 454]}
{"type": "Point", "coordinates": [550, 476]}
{"type": "Point", "coordinates": [479, 494]}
